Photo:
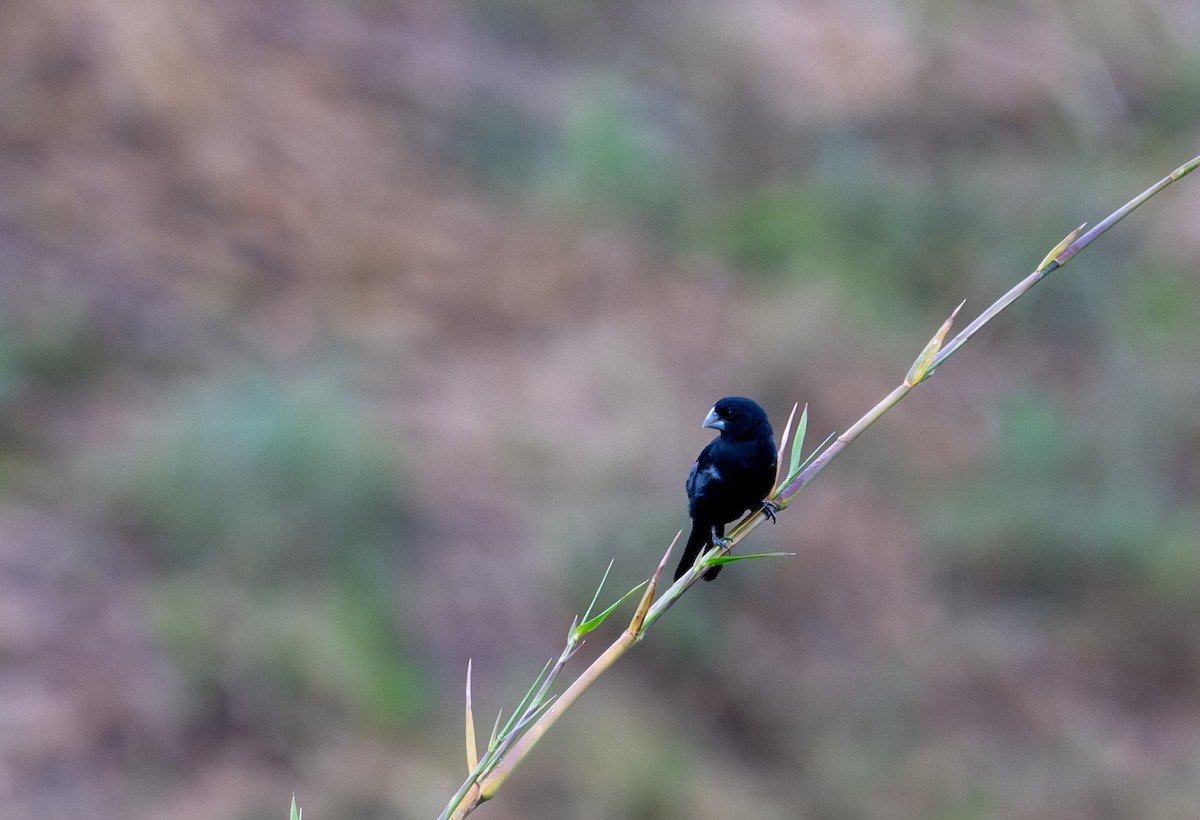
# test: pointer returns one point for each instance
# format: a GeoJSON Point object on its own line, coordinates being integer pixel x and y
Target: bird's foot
{"type": "Point", "coordinates": [770, 508]}
{"type": "Point", "coordinates": [720, 540]}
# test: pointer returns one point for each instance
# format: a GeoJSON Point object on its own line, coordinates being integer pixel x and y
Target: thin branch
{"type": "Point", "coordinates": [539, 712]}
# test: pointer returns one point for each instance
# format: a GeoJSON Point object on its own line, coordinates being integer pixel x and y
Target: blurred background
{"type": "Point", "coordinates": [341, 342]}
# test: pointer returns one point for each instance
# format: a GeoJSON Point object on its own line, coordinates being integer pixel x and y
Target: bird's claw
{"type": "Point", "coordinates": [770, 508]}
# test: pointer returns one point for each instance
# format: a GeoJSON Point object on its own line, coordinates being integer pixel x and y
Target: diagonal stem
{"type": "Point", "coordinates": [482, 786]}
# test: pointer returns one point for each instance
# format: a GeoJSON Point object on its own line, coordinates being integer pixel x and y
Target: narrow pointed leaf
{"type": "Point", "coordinates": [920, 368]}
{"type": "Point", "coordinates": [587, 626]}
{"type": "Point", "coordinates": [819, 448]}
{"type": "Point", "coordinates": [639, 615]}
{"type": "Point", "coordinates": [495, 731]}
{"type": "Point", "coordinates": [587, 612]}
{"type": "Point", "coordinates": [472, 749]}
{"type": "Point", "coordinates": [798, 444]}
{"type": "Point", "coordinates": [783, 442]}
{"type": "Point", "coordinates": [529, 718]}
{"type": "Point", "coordinates": [525, 701]}
{"type": "Point", "coordinates": [799, 467]}
{"type": "Point", "coordinates": [1060, 247]}
{"type": "Point", "coordinates": [729, 559]}
{"type": "Point", "coordinates": [296, 813]}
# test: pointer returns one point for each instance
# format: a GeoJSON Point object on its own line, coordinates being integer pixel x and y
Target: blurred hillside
{"type": "Point", "coordinates": [341, 342]}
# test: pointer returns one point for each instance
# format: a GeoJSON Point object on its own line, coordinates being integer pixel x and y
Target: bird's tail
{"type": "Point", "coordinates": [698, 542]}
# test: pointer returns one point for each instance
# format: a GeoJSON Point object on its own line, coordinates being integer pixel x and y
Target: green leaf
{"type": "Point", "coordinates": [296, 813]}
{"type": "Point", "coordinates": [495, 731]}
{"type": "Point", "coordinates": [798, 444]}
{"type": "Point", "coordinates": [729, 559]}
{"type": "Point", "coordinates": [588, 626]}
{"type": "Point", "coordinates": [588, 611]}
{"type": "Point", "coordinates": [525, 701]}
{"type": "Point", "coordinates": [797, 467]}
{"type": "Point", "coordinates": [529, 718]}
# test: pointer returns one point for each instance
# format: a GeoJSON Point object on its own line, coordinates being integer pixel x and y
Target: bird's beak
{"type": "Point", "coordinates": [714, 421]}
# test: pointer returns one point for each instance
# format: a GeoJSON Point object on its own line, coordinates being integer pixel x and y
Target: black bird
{"type": "Point", "coordinates": [732, 475]}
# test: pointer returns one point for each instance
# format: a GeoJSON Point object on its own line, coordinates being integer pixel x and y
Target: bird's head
{"type": "Point", "coordinates": [735, 416]}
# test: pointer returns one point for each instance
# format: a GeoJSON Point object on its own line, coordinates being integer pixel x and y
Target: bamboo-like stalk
{"type": "Point", "coordinates": [536, 714]}
{"type": "Point", "coordinates": [632, 634]}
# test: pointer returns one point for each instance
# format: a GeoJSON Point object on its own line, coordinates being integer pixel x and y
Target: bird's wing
{"type": "Point", "coordinates": [704, 473]}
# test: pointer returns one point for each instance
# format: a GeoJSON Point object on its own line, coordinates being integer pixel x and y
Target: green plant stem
{"type": "Point", "coordinates": [802, 479]}
{"type": "Point", "coordinates": [1061, 258]}
{"type": "Point", "coordinates": [481, 786]}
{"type": "Point", "coordinates": [491, 782]}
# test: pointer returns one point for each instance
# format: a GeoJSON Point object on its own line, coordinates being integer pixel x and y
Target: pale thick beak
{"type": "Point", "coordinates": [714, 421]}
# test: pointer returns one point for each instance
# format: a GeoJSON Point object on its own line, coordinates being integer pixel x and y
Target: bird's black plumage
{"type": "Point", "coordinates": [732, 475]}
